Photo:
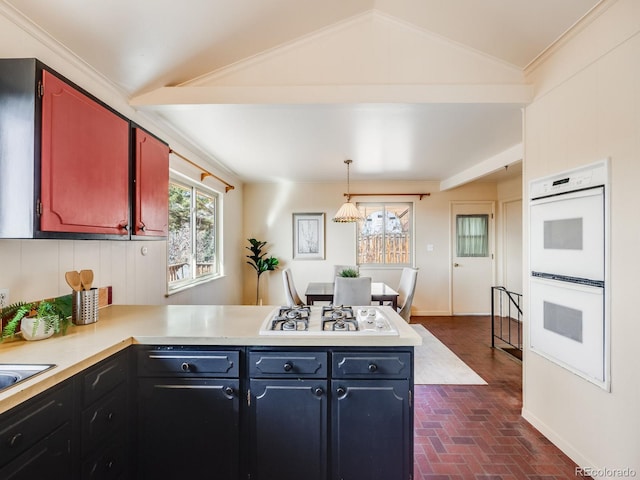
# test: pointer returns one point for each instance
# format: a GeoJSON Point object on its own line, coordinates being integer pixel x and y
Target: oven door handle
{"type": "Point", "coordinates": [573, 194]}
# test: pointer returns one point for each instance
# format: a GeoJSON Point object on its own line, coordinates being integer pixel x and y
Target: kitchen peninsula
{"type": "Point", "coordinates": [202, 383]}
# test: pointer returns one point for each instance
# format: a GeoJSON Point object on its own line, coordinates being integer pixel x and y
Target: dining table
{"type": "Point", "coordinates": [323, 292]}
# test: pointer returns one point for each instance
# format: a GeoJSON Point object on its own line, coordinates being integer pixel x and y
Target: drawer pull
{"type": "Point", "coordinates": [15, 440]}
{"type": "Point", "coordinates": [288, 367]}
{"type": "Point", "coordinates": [372, 367]}
{"type": "Point", "coordinates": [185, 367]}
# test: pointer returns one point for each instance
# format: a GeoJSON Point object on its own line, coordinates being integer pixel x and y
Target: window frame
{"type": "Point", "coordinates": [197, 187]}
{"type": "Point", "coordinates": [412, 233]}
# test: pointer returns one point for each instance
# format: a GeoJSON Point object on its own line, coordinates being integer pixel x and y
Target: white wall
{"type": "Point", "coordinates": [34, 269]}
{"type": "Point", "coordinates": [587, 107]}
{"type": "Point", "coordinates": [509, 235]}
{"type": "Point", "coordinates": [268, 216]}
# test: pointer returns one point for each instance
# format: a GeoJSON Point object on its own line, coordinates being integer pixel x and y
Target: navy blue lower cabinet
{"type": "Point", "coordinates": [370, 422]}
{"type": "Point", "coordinates": [320, 414]}
{"type": "Point", "coordinates": [188, 428]}
{"type": "Point", "coordinates": [188, 413]}
{"type": "Point", "coordinates": [49, 458]}
{"type": "Point", "coordinates": [288, 433]}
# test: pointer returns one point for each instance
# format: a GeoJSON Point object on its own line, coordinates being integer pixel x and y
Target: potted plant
{"type": "Point", "coordinates": [349, 272]}
{"type": "Point", "coordinates": [36, 320]}
{"type": "Point", "coordinates": [260, 262]}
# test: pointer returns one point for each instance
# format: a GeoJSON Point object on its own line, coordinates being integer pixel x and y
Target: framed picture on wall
{"type": "Point", "coordinates": [308, 236]}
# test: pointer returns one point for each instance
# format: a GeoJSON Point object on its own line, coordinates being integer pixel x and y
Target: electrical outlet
{"type": "Point", "coordinates": [4, 297]}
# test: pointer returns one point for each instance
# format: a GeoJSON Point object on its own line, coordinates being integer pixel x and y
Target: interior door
{"type": "Point", "coordinates": [472, 258]}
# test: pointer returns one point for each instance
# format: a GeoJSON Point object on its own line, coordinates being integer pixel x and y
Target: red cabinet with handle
{"type": "Point", "coordinates": [151, 204]}
{"type": "Point", "coordinates": [84, 176]}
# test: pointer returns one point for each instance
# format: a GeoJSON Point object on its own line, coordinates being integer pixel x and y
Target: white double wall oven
{"type": "Point", "coordinates": [568, 260]}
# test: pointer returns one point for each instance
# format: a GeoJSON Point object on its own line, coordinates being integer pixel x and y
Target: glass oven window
{"type": "Point", "coordinates": [563, 234]}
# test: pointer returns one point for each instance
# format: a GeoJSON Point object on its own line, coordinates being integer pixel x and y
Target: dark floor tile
{"type": "Point", "coordinates": [476, 432]}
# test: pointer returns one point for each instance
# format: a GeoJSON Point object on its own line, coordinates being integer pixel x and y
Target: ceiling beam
{"type": "Point", "coordinates": [503, 159]}
{"type": "Point", "coordinates": [328, 94]}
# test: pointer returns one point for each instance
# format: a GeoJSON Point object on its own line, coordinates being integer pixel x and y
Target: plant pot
{"type": "Point", "coordinates": [44, 328]}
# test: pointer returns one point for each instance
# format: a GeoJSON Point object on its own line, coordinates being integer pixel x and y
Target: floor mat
{"type": "Point", "coordinates": [435, 364]}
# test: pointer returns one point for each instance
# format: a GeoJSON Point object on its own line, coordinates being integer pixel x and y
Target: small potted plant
{"type": "Point", "coordinates": [36, 320]}
{"type": "Point", "coordinates": [260, 262]}
{"type": "Point", "coordinates": [349, 273]}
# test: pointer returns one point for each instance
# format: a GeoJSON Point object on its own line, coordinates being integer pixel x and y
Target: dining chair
{"type": "Point", "coordinates": [352, 291]}
{"type": "Point", "coordinates": [339, 268]}
{"type": "Point", "coordinates": [290, 291]}
{"type": "Point", "coordinates": [406, 289]}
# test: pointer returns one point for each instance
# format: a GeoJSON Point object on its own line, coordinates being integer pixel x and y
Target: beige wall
{"type": "Point", "coordinates": [587, 107]}
{"type": "Point", "coordinates": [34, 269]}
{"type": "Point", "coordinates": [268, 216]}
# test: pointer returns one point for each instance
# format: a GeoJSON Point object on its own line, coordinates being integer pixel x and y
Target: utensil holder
{"type": "Point", "coordinates": [84, 307]}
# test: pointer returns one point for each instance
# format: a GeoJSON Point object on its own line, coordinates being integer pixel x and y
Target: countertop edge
{"type": "Point", "coordinates": [120, 326]}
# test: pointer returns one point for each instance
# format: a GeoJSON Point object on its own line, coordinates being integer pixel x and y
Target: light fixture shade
{"type": "Point", "coordinates": [348, 213]}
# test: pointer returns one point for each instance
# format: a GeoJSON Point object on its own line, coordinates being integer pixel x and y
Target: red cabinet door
{"type": "Point", "coordinates": [84, 183]}
{"type": "Point", "coordinates": [152, 185]}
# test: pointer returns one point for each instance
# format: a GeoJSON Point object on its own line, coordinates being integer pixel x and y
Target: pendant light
{"type": "Point", "coordinates": [348, 212]}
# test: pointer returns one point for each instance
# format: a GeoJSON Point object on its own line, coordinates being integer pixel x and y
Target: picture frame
{"type": "Point", "coordinates": [308, 236]}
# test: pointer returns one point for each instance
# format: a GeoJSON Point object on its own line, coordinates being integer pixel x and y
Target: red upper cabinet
{"type": "Point", "coordinates": [151, 202]}
{"type": "Point", "coordinates": [84, 176]}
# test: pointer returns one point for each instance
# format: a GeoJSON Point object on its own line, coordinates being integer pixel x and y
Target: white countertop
{"type": "Point", "coordinates": [119, 326]}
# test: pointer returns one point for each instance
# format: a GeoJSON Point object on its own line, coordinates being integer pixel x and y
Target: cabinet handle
{"type": "Point", "coordinates": [372, 367]}
{"type": "Point", "coordinates": [185, 367]}
{"type": "Point", "coordinates": [15, 440]}
{"type": "Point", "coordinates": [318, 391]}
{"type": "Point", "coordinates": [124, 226]}
{"type": "Point", "coordinates": [228, 391]}
{"type": "Point", "coordinates": [142, 227]}
{"type": "Point", "coordinates": [288, 367]}
{"type": "Point", "coordinates": [111, 416]}
{"type": "Point", "coordinates": [341, 391]}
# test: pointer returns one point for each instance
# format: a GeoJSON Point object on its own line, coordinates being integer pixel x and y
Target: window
{"type": "Point", "coordinates": [193, 253]}
{"type": "Point", "coordinates": [472, 235]}
{"type": "Point", "coordinates": [385, 236]}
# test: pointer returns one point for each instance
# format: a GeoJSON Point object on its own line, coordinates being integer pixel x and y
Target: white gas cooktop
{"type": "Point", "coordinates": [328, 320]}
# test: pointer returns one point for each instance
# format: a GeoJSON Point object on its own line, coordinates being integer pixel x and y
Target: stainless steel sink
{"type": "Point", "coordinates": [10, 374]}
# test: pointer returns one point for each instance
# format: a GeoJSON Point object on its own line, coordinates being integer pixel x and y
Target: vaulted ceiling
{"type": "Point", "coordinates": [285, 90]}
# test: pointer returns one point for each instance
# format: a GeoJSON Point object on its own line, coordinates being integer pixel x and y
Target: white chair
{"type": "Point", "coordinates": [352, 291]}
{"type": "Point", "coordinates": [293, 299]}
{"type": "Point", "coordinates": [406, 289]}
{"type": "Point", "coordinates": [340, 268]}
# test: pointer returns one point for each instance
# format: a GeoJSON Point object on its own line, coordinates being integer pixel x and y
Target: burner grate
{"type": "Point", "coordinates": [338, 319]}
{"type": "Point", "coordinates": [291, 319]}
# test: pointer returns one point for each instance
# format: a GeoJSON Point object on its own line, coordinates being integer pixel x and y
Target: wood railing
{"type": "Point", "coordinates": [391, 248]}
{"type": "Point", "coordinates": [179, 271]}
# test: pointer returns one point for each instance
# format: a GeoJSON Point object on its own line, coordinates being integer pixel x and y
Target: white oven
{"type": "Point", "coordinates": [568, 238]}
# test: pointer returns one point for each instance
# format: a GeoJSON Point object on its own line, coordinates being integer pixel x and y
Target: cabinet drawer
{"type": "Point", "coordinates": [24, 427]}
{"type": "Point", "coordinates": [103, 418]}
{"type": "Point", "coordinates": [102, 378]}
{"type": "Point", "coordinates": [48, 458]}
{"type": "Point", "coordinates": [372, 365]}
{"type": "Point", "coordinates": [110, 462]}
{"type": "Point", "coordinates": [161, 362]}
{"type": "Point", "coordinates": [279, 364]}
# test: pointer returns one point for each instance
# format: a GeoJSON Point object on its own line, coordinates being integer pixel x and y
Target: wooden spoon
{"type": "Point", "coordinates": [73, 279]}
{"type": "Point", "coordinates": [86, 278]}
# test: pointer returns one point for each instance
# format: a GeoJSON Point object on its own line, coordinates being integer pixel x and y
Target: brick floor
{"type": "Point", "coordinates": [476, 431]}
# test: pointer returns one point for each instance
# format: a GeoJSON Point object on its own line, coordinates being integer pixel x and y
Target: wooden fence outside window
{"type": "Point", "coordinates": [384, 249]}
